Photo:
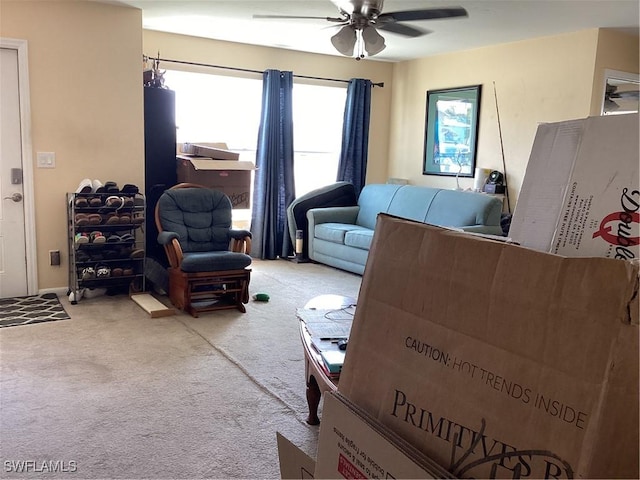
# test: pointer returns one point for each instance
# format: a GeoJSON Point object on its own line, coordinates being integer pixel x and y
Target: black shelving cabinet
{"type": "Point", "coordinates": [160, 159]}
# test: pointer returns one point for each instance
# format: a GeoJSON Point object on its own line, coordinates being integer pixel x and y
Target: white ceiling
{"type": "Point", "coordinates": [489, 22]}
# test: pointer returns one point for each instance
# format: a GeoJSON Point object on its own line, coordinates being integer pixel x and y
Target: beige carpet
{"type": "Point", "coordinates": [113, 393]}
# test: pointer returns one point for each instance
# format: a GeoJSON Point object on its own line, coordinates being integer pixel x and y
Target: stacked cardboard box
{"type": "Point", "coordinates": [214, 166]}
{"type": "Point", "coordinates": [581, 192]}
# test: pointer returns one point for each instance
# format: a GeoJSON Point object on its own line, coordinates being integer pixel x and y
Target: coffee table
{"type": "Point", "coordinates": [318, 381]}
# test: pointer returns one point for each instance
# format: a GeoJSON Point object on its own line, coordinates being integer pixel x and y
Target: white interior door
{"type": "Point", "coordinates": [14, 235]}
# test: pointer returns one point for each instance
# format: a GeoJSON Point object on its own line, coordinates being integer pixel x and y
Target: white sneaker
{"type": "Point", "coordinates": [95, 185]}
{"type": "Point", "coordinates": [94, 292]}
{"type": "Point", "coordinates": [84, 186]}
{"type": "Point", "coordinates": [77, 295]}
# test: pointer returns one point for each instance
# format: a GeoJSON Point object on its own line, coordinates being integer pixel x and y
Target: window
{"type": "Point", "coordinates": [317, 134]}
{"type": "Point", "coordinates": [215, 108]}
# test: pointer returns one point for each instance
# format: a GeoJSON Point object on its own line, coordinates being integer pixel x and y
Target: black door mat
{"type": "Point", "coordinates": [16, 311]}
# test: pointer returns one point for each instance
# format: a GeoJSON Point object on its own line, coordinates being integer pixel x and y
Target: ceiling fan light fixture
{"type": "Point", "coordinates": [373, 41]}
{"type": "Point", "coordinates": [345, 40]}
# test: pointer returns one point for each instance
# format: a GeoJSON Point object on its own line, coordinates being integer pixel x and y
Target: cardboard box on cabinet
{"type": "Point", "coordinates": [232, 178]}
{"type": "Point", "coordinates": [216, 151]}
{"type": "Point", "coordinates": [495, 360]}
{"type": "Point", "coordinates": [580, 195]}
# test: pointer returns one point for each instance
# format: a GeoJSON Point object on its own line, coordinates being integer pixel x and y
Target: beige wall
{"type": "Point", "coordinates": [542, 80]}
{"type": "Point", "coordinates": [86, 105]}
{"type": "Point", "coordinates": [200, 50]}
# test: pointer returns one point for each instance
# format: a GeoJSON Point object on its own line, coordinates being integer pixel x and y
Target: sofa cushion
{"type": "Point", "coordinates": [333, 232]}
{"type": "Point", "coordinates": [412, 202]}
{"type": "Point", "coordinates": [451, 208]}
{"type": "Point", "coordinates": [373, 199]}
{"type": "Point", "coordinates": [359, 238]}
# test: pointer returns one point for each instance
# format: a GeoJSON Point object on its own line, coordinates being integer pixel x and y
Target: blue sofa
{"type": "Point", "coordinates": [341, 236]}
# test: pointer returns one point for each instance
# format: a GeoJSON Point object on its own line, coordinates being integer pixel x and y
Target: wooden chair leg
{"type": "Point", "coordinates": [229, 290]}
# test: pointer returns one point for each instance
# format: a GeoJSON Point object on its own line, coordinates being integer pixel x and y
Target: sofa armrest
{"type": "Point", "coordinates": [316, 216]}
{"type": "Point", "coordinates": [348, 215]}
{"type": "Point", "coordinates": [339, 194]}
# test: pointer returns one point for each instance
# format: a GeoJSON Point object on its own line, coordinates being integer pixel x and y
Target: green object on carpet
{"type": "Point", "coordinates": [261, 297]}
{"type": "Point", "coordinates": [16, 311]}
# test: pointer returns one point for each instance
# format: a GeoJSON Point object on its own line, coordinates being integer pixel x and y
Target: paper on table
{"type": "Point", "coordinates": [327, 323]}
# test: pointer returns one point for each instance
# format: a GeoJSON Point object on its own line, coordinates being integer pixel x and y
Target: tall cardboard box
{"type": "Point", "coordinates": [496, 360]}
{"type": "Point", "coordinates": [581, 192]}
{"type": "Point", "coordinates": [231, 177]}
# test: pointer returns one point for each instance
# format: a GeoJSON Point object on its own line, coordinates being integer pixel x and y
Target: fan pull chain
{"type": "Point", "coordinates": [359, 45]}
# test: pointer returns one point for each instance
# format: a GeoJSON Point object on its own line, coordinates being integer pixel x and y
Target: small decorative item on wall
{"type": "Point", "coordinates": [451, 131]}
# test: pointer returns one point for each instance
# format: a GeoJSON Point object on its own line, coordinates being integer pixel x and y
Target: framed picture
{"type": "Point", "coordinates": [451, 131]}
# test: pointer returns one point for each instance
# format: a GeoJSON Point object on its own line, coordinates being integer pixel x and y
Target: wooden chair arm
{"type": "Point", "coordinates": [174, 253]}
{"type": "Point", "coordinates": [242, 245]}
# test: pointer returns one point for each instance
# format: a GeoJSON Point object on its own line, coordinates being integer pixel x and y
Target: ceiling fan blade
{"type": "Point", "coordinates": [424, 14]}
{"type": "Point", "coordinates": [297, 17]}
{"type": "Point", "coordinates": [401, 29]}
{"type": "Point", "coordinates": [629, 94]}
{"type": "Point", "coordinates": [610, 105]}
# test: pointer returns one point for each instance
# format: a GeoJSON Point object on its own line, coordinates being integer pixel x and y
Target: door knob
{"type": "Point", "coordinates": [16, 197]}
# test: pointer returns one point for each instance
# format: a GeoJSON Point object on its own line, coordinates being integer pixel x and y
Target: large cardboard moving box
{"type": "Point", "coordinates": [351, 444]}
{"type": "Point", "coordinates": [581, 192]}
{"type": "Point", "coordinates": [496, 360]}
{"type": "Point", "coordinates": [231, 177]}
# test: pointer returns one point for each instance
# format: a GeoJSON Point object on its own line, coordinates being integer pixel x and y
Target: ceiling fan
{"type": "Point", "coordinates": [612, 93]}
{"type": "Point", "coordinates": [361, 19]}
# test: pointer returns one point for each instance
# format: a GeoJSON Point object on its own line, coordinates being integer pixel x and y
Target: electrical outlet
{"type": "Point", "coordinates": [54, 257]}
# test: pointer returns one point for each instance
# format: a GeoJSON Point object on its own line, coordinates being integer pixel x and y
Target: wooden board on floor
{"type": "Point", "coordinates": [152, 305]}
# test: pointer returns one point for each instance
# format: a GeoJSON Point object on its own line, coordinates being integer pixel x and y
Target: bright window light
{"type": "Point", "coordinates": [317, 134]}
{"type": "Point", "coordinates": [224, 109]}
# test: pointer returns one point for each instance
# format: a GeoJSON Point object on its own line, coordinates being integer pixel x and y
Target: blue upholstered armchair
{"type": "Point", "coordinates": [207, 259]}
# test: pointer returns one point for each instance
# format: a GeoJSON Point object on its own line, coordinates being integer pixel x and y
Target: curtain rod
{"type": "Point", "coordinates": [146, 58]}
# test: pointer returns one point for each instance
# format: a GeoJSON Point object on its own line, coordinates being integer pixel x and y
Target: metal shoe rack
{"type": "Point", "coordinates": [105, 242]}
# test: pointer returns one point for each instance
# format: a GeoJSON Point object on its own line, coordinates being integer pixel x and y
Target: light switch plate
{"type": "Point", "coordinates": [46, 160]}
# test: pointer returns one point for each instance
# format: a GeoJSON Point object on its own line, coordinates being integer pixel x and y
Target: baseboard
{"type": "Point", "coordinates": [60, 291]}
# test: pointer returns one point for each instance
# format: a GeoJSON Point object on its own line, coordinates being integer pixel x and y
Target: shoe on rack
{"type": "Point", "coordinates": [81, 202]}
{"type": "Point", "coordinates": [98, 237]}
{"type": "Point", "coordinates": [81, 238]}
{"type": "Point", "coordinates": [103, 272]}
{"type": "Point", "coordinates": [88, 273]}
{"type": "Point", "coordinates": [97, 186]}
{"type": "Point", "coordinates": [111, 187]}
{"type": "Point", "coordinates": [84, 186]}
{"type": "Point", "coordinates": [82, 256]}
{"type": "Point", "coordinates": [114, 201]}
{"type": "Point", "coordinates": [130, 188]}
{"type": "Point", "coordinates": [116, 272]}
